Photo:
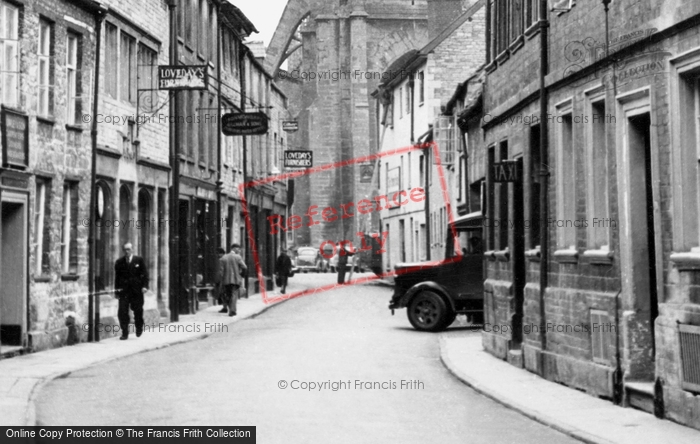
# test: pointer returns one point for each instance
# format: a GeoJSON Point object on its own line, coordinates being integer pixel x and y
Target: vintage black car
{"type": "Point", "coordinates": [434, 294]}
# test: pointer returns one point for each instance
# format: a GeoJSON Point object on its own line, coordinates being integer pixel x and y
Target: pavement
{"type": "Point", "coordinates": [569, 411]}
{"type": "Point", "coordinates": [22, 377]}
{"type": "Point", "coordinates": [581, 416]}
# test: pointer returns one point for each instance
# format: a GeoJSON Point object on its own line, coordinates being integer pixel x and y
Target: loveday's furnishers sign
{"type": "Point", "coordinates": [183, 77]}
{"type": "Point", "coordinates": [298, 159]}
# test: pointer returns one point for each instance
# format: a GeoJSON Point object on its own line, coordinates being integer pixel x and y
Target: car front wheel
{"type": "Point", "coordinates": [428, 312]}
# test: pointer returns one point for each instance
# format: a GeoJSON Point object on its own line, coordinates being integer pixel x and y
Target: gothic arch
{"type": "Point", "coordinates": [294, 14]}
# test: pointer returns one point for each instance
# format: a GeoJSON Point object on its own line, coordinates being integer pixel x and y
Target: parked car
{"type": "Point", "coordinates": [435, 294]}
{"type": "Point", "coordinates": [352, 261]}
{"type": "Point", "coordinates": [310, 259]}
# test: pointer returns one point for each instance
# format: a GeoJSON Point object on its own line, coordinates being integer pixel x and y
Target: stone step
{"type": "Point", "coordinates": [640, 395]}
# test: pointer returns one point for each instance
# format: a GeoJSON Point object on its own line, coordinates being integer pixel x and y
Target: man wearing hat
{"type": "Point", "coordinates": [231, 269]}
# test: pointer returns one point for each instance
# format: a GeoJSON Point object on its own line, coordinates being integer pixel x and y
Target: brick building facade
{"type": "Point", "coordinates": [618, 316]}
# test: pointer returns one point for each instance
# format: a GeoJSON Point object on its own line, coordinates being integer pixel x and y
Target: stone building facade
{"type": "Point", "coordinates": [49, 98]}
{"type": "Point", "coordinates": [133, 172]}
{"type": "Point", "coordinates": [47, 71]}
{"type": "Point", "coordinates": [618, 316]}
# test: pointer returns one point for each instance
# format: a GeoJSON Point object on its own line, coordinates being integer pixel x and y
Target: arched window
{"type": "Point", "coordinates": [123, 224]}
{"type": "Point", "coordinates": [143, 225]}
{"type": "Point", "coordinates": [103, 237]}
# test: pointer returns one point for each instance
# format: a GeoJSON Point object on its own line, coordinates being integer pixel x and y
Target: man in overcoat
{"type": "Point", "coordinates": [231, 269]}
{"type": "Point", "coordinates": [283, 268]}
{"type": "Point", "coordinates": [131, 283]}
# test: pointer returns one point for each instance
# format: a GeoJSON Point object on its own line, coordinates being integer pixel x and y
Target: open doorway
{"type": "Point", "coordinates": [13, 280]}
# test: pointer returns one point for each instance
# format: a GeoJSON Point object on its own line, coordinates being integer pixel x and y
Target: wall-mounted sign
{"type": "Point", "coordinates": [298, 159]}
{"type": "Point", "coordinates": [366, 172]}
{"type": "Point", "coordinates": [506, 171]}
{"type": "Point", "coordinates": [244, 124]}
{"type": "Point", "coordinates": [15, 138]}
{"type": "Point", "coordinates": [290, 126]}
{"type": "Point", "coordinates": [183, 77]}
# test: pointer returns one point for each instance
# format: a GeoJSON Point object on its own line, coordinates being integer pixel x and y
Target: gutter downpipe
{"type": "Point", "coordinates": [94, 299]}
{"type": "Point", "coordinates": [219, 161]}
{"type": "Point", "coordinates": [175, 171]}
{"type": "Point", "coordinates": [246, 215]}
{"type": "Point", "coordinates": [544, 174]}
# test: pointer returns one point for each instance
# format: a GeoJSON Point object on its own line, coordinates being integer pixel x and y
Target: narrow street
{"type": "Point", "coordinates": [233, 379]}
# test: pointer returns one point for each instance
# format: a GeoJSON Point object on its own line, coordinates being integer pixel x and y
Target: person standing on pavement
{"type": "Point", "coordinates": [231, 267]}
{"type": "Point", "coordinates": [220, 293]}
{"type": "Point", "coordinates": [283, 268]}
{"type": "Point", "coordinates": [343, 255]}
{"type": "Point", "coordinates": [131, 283]}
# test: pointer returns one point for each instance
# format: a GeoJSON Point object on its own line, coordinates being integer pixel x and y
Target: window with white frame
{"type": "Point", "coordinates": [400, 102]}
{"type": "Point", "coordinates": [69, 229]}
{"type": "Point", "coordinates": [421, 87]}
{"type": "Point", "coordinates": [9, 56]}
{"type": "Point", "coordinates": [72, 92]}
{"type": "Point", "coordinates": [566, 179]}
{"type": "Point", "coordinates": [45, 47]}
{"type": "Point", "coordinates": [42, 227]}
{"type": "Point", "coordinates": [597, 166]}
{"type": "Point", "coordinates": [408, 99]}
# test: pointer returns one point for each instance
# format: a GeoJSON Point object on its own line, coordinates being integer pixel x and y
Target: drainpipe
{"type": "Point", "coordinates": [220, 165]}
{"type": "Point", "coordinates": [544, 175]}
{"type": "Point", "coordinates": [94, 299]}
{"type": "Point", "coordinates": [411, 84]}
{"type": "Point", "coordinates": [428, 164]}
{"type": "Point", "coordinates": [175, 171]}
{"type": "Point", "coordinates": [242, 73]}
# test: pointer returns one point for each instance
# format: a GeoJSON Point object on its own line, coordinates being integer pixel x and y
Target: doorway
{"type": "Point", "coordinates": [642, 235]}
{"type": "Point", "coordinates": [637, 175]}
{"type": "Point", "coordinates": [13, 280]}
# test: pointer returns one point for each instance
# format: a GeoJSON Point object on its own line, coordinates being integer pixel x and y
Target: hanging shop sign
{"type": "Point", "coordinates": [290, 126]}
{"type": "Point", "coordinates": [298, 159]}
{"type": "Point", "coordinates": [183, 77]}
{"type": "Point", "coordinates": [244, 124]}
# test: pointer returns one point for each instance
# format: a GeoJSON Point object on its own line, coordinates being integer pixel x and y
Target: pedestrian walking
{"type": "Point", "coordinates": [220, 293]}
{"type": "Point", "coordinates": [283, 268]}
{"type": "Point", "coordinates": [131, 283]}
{"type": "Point", "coordinates": [231, 269]}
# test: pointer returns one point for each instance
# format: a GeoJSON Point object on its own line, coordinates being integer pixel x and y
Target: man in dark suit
{"type": "Point", "coordinates": [131, 283]}
{"type": "Point", "coordinates": [231, 269]}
